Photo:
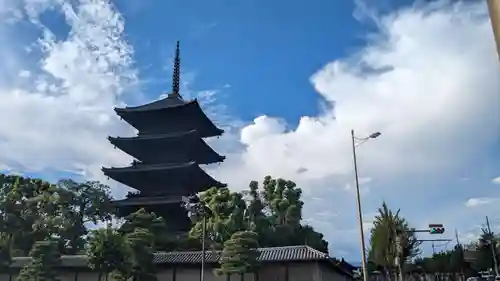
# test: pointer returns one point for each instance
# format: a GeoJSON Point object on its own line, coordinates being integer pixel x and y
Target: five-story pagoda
{"type": "Point", "coordinates": [168, 149]}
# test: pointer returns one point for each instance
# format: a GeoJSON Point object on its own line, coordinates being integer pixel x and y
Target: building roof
{"type": "Point", "coordinates": [274, 254]}
{"type": "Point", "coordinates": [170, 101]}
{"type": "Point", "coordinates": [300, 253]}
{"type": "Point", "coordinates": [162, 178]}
{"type": "Point", "coordinates": [147, 201]}
{"type": "Point", "coordinates": [168, 148]}
{"type": "Point", "coordinates": [171, 114]}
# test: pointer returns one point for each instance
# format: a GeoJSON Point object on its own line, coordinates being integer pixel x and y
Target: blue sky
{"type": "Point", "coordinates": [288, 80]}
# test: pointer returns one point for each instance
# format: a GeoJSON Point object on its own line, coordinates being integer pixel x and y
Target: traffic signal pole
{"type": "Point", "coordinates": [462, 254]}
{"type": "Point", "coordinates": [492, 246]}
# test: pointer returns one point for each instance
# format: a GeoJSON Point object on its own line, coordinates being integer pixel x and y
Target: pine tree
{"type": "Point", "coordinates": [141, 244]}
{"type": "Point", "coordinates": [107, 251]}
{"type": "Point", "coordinates": [240, 254]}
{"type": "Point", "coordinates": [45, 258]}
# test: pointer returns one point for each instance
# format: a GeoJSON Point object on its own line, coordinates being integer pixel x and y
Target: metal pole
{"type": "Point", "coordinates": [494, 9]}
{"type": "Point", "coordinates": [492, 246]}
{"type": "Point", "coordinates": [204, 230]}
{"type": "Point", "coordinates": [360, 215]}
{"type": "Point", "coordinates": [462, 254]}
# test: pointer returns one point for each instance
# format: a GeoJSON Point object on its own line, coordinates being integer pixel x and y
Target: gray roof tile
{"type": "Point", "coordinates": [288, 253]}
{"type": "Point", "coordinates": [275, 254]}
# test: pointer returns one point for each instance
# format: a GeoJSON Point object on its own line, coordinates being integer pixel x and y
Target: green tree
{"type": "Point", "coordinates": [107, 251]}
{"type": "Point", "coordinates": [282, 204]}
{"type": "Point", "coordinates": [32, 210]}
{"type": "Point", "coordinates": [18, 211]}
{"type": "Point", "coordinates": [255, 216]}
{"type": "Point", "coordinates": [5, 252]}
{"type": "Point", "coordinates": [479, 253]}
{"type": "Point", "coordinates": [226, 216]}
{"type": "Point", "coordinates": [391, 243]}
{"type": "Point", "coordinates": [80, 204]}
{"type": "Point", "coordinates": [45, 257]}
{"type": "Point", "coordinates": [141, 245]}
{"type": "Point", "coordinates": [142, 219]}
{"type": "Point", "coordinates": [450, 262]}
{"type": "Point", "coordinates": [240, 254]}
{"type": "Point", "coordinates": [275, 213]}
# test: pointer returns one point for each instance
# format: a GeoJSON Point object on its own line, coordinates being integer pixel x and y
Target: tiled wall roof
{"type": "Point", "coordinates": [275, 254]}
{"type": "Point", "coordinates": [288, 253]}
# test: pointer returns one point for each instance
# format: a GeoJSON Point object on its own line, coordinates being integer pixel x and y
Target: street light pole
{"type": "Point", "coordinates": [197, 208]}
{"type": "Point", "coordinates": [494, 11]}
{"type": "Point", "coordinates": [360, 214]}
{"type": "Point", "coordinates": [358, 199]}
{"type": "Point", "coordinates": [204, 231]}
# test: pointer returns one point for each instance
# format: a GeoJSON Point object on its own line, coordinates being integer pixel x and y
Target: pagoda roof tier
{"type": "Point", "coordinates": [176, 217]}
{"type": "Point", "coordinates": [168, 148]}
{"type": "Point", "coordinates": [168, 115]}
{"type": "Point", "coordinates": [176, 179]}
{"type": "Point", "coordinates": [148, 201]}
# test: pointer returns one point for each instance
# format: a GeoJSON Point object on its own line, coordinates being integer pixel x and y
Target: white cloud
{"type": "Point", "coordinates": [427, 76]}
{"type": "Point", "coordinates": [59, 118]}
{"type": "Point", "coordinates": [496, 180]}
{"type": "Point", "coordinates": [437, 83]}
{"type": "Point", "coordinates": [58, 91]}
{"type": "Point", "coordinates": [364, 187]}
{"type": "Point", "coordinates": [475, 202]}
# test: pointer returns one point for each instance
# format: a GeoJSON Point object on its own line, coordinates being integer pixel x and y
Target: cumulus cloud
{"type": "Point", "coordinates": [427, 75]}
{"type": "Point", "coordinates": [58, 90]}
{"type": "Point", "coordinates": [496, 180]}
{"type": "Point", "coordinates": [475, 202]}
{"type": "Point", "coordinates": [364, 187]}
{"type": "Point", "coordinates": [59, 118]}
{"type": "Point", "coordinates": [418, 82]}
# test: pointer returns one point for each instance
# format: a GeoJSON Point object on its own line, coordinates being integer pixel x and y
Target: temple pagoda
{"type": "Point", "coordinates": [168, 150]}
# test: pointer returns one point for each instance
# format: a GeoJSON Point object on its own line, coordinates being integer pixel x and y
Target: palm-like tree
{"type": "Point", "coordinates": [391, 242]}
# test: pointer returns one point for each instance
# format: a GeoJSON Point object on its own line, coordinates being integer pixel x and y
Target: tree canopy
{"type": "Point", "coordinates": [273, 211]}
{"type": "Point", "coordinates": [47, 220]}
{"type": "Point", "coordinates": [240, 254]}
{"type": "Point", "coordinates": [44, 259]}
{"type": "Point", "coordinates": [391, 242]}
{"type": "Point", "coordinates": [390, 228]}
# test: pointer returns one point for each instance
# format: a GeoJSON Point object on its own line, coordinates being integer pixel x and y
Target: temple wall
{"type": "Point", "coordinates": [298, 271]}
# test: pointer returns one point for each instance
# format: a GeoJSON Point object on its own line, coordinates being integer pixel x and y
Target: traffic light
{"type": "Point", "coordinates": [436, 229]}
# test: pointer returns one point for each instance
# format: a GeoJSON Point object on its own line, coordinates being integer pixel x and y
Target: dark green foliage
{"type": "Point", "coordinates": [483, 248]}
{"type": "Point", "coordinates": [81, 203]}
{"type": "Point", "coordinates": [275, 213]}
{"type": "Point", "coordinates": [240, 254]}
{"type": "Point", "coordinates": [5, 252]}
{"type": "Point", "coordinates": [155, 225]}
{"type": "Point", "coordinates": [388, 227]}
{"type": "Point", "coordinates": [33, 210]}
{"type": "Point", "coordinates": [228, 209]}
{"type": "Point", "coordinates": [451, 262]}
{"type": "Point", "coordinates": [141, 245]}
{"type": "Point", "coordinates": [45, 257]}
{"type": "Point", "coordinates": [107, 251]}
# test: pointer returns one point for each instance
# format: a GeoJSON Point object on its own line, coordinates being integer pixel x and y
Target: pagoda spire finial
{"type": "Point", "coordinates": [176, 75]}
